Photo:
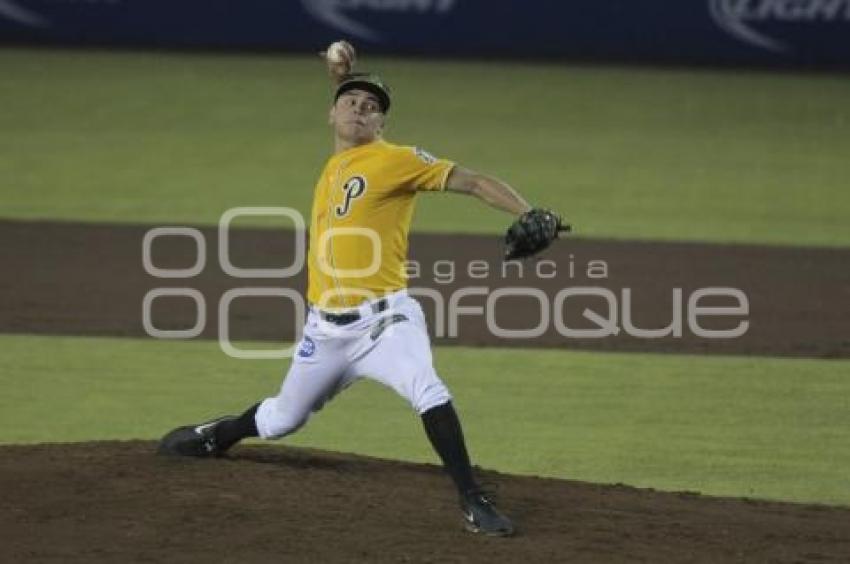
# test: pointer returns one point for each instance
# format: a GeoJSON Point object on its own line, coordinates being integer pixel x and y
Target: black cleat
{"type": "Point", "coordinates": [481, 516]}
{"type": "Point", "coordinates": [193, 440]}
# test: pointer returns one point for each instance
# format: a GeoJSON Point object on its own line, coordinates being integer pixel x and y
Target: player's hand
{"type": "Point", "coordinates": [532, 232]}
{"type": "Point", "coordinates": [340, 57]}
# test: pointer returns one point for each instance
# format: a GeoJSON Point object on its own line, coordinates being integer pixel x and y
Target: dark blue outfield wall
{"type": "Point", "coordinates": [706, 31]}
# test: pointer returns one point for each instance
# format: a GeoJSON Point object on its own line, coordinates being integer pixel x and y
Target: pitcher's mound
{"type": "Point", "coordinates": [118, 502]}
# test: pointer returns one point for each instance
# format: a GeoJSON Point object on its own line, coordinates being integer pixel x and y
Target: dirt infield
{"type": "Point", "coordinates": [87, 279]}
{"type": "Point", "coordinates": [118, 502]}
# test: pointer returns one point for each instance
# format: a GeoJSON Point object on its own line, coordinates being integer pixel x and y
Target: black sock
{"type": "Point", "coordinates": [230, 432]}
{"type": "Point", "coordinates": [443, 428]}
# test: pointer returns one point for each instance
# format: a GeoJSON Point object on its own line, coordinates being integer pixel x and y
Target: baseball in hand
{"type": "Point", "coordinates": [340, 52]}
{"type": "Point", "coordinates": [340, 57]}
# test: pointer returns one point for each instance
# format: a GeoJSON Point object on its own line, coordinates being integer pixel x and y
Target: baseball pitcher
{"type": "Point", "coordinates": [361, 321]}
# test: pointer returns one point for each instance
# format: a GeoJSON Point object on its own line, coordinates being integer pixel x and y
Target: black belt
{"type": "Point", "coordinates": [351, 316]}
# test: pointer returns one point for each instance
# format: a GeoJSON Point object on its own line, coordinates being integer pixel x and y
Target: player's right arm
{"type": "Point", "coordinates": [486, 188]}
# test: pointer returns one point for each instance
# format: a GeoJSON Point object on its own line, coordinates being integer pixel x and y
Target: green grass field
{"type": "Point", "coordinates": [623, 152]}
{"type": "Point", "coordinates": [726, 426]}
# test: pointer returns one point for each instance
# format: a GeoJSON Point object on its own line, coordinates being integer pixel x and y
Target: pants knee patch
{"type": "Point", "coordinates": [275, 421]}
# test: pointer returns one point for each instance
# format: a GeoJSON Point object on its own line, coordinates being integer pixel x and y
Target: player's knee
{"type": "Point", "coordinates": [276, 420]}
{"type": "Point", "coordinates": [287, 424]}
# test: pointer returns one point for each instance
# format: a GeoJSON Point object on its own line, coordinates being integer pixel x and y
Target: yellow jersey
{"type": "Point", "coordinates": [362, 209]}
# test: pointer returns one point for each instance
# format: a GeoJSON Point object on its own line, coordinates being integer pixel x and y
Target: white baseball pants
{"type": "Point", "coordinates": [391, 347]}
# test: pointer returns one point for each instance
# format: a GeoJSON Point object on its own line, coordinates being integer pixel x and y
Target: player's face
{"type": "Point", "coordinates": [356, 117]}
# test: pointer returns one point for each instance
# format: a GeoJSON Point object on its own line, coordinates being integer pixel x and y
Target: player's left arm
{"type": "Point", "coordinates": [534, 229]}
{"type": "Point", "coordinates": [488, 189]}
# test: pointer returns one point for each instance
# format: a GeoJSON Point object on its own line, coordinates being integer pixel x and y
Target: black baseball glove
{"type": "Point", "coordinates": [532, 232]}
